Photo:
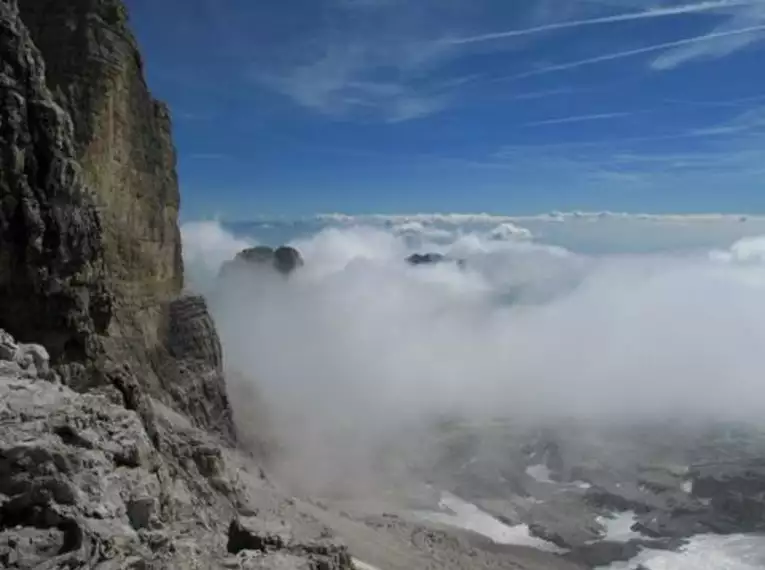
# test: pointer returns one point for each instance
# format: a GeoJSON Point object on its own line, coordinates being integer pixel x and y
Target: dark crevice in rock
{"type": "Point", "coordinates": [70, 436]}
{"type": "Point", "coordinates": [42, 517]}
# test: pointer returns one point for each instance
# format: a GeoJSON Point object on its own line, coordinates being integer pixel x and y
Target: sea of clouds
{"type": "Point", "coordinates": [358, 343]}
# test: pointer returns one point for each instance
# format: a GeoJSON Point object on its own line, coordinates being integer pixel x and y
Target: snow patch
{"type": "Point", "coordinates": [539, 472]}
{"type": "Point", "coordinates": [703, 552]}
{"type": "Point", "coordinates": [363, 565]}
{"type": "Point", "coordinates": [619, 527]}
{"type": "Point", "coordinates": [469, 517]}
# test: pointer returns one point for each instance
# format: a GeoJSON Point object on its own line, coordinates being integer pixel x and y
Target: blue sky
{"type": "Point", "coordinates": [290, 107]}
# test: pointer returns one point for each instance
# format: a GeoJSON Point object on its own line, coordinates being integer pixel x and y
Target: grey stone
{"type": "Point", "coordinates": [284, 259]}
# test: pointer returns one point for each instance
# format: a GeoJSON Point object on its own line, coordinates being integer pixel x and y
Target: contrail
{"type": "Point", "coordinates": [580, 119]}
{"type": "Point", "coordinates": [648, 14]}
{"type": "Point", "coordinates": [633, 52]}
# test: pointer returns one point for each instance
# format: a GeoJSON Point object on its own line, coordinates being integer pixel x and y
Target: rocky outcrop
{"type": "Point", "coordinates": [287, 259]}
{"type": "Point", "coordinates": [425, 258]}
{"type": "Point", "coordinates": [432, 259]}
{"type": "Point", "coordinates": [284, 259]}
{"type": "Point", "coordinates": [195, 380]}
{"type": "Point", "coordinates": [78, 477]}
{"type": "Point", "coordinates": [82, 485]}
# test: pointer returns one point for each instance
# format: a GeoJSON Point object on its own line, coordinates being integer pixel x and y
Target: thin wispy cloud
{"type": "Point", "coordinates": [631, 16]}
{"type": "Point", "coordinates": [636, 52]}
{"type": "Point", "coordinates": [736, 102]}
{"type": "Point", "coordinates": [748, 122]}
{"type": "Point", "coordinates": [580, 119]}
{"type": "Point", "coordinates": [721, 45]}
{"type": "Point", "coordinates": [389, 61]}
{"type": "Point", "coordinates": [367, 61]}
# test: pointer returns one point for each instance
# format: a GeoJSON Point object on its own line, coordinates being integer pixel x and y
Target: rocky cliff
{"type": "Point", "coordinates": [113, 431]}
{"type": "Point", "coordinates": [91, 260]}
{"type": "Point", "coordinates": [52, 256]}
{"type": "Point", "coordinates": [122, 138]}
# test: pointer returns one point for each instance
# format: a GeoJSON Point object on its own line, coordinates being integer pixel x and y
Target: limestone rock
{"type": "Point", "coordinates": [78, 478]}
{"type": "Point", "coordinates": [195, 381]}
{"type": "Point", "coordinates": [257, 254]}
{"type": "Point", "coordinates": [257, 534]}
{"type": "Point", "coordinates": [425, 258]}
{"type": "Point", "coordinates": [90, 252]}
{"type": "Point", "coordinates": [84, 485]}
{"type": "Point", "coordinates": [122, 139]}
{"type": "Point", "coordinates": [284, 259]}
{"type": "Point", "coordinates": [432, 259]}
{"type": "Point", "coordinates": [287, 259]}
{"type": "Point", "coordinates": [51, 236]}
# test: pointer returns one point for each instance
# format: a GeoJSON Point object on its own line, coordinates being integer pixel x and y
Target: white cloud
{"type": "Point", "coordinates": [748, 250]}
{"type": "Point", "coordinates": [580, 118]}
{"type": "Point", "coordinates": [509, 231]}
{"type": "Point", "coordinates": [359, 345]}
{"type": "Point", "coordinates": [404, 222]}
{"type": "Point", "coordinates": [337, 83]}
{"type": "Point", "coordinates": [373, 63]}
{"type": "Point", "coordinates": [419, 230]}
{"type": "Point", "coordinates": [206, 245]}
{"type": "Point", "coordinates": [651, 13]}
{"type": "Point", "coordinates": [422, 218]}
{"type": "Point", "coordinates": [724, 34]}
{"type": "Point", "coordinates": [751, 15]}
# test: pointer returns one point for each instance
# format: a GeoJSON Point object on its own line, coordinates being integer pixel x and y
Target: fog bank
{"type": "Point", "coordinates": [358, 343]}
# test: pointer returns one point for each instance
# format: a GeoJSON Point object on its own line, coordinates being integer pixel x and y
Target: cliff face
{"type": "Point", "coordinates": [51, 237]}
{"type": "Point", "coordinates": [90, 248]}
{"type": "Point", "coordinates": [122, 140]}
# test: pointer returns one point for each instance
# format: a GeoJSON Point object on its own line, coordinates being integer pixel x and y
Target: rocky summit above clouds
{"type": "Point", "coordinates": [284, 259]}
